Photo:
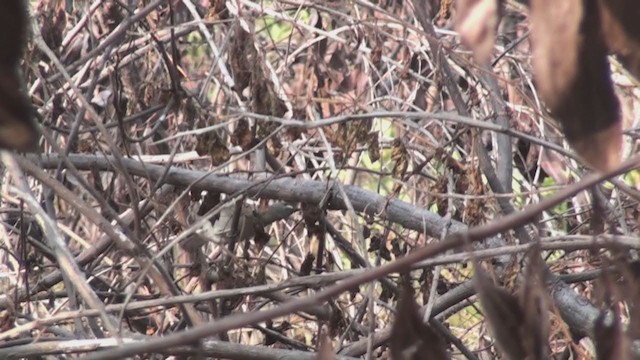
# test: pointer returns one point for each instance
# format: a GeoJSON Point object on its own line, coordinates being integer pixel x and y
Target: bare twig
{"type": "Point", "coordinates": [453, 241]}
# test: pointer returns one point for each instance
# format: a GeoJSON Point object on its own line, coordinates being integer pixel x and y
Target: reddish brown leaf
{"type": "Point", "coordinates": [307, 264]}
{"type": "Point", "coordinates": [610, 340]}
{"type": "Point", "coordinates": [412, 339]}
{"type": "Point", "coordinates": [211, 144]}
{"type": "Point", "coordinates": [573, 77]}
{"type": "Point", "coordinates": [374, 146]}
{"type": "Point", "coordinates": [400, 157]}
{"type": "Point", "coordinates": [534, 304]}
{"type": "Point", "coordinates": [17, 129]}
{"type": "Point", "coordinates": [477, 21]}
{"type": "Point", "coordinates": [242, 57]}
{"type": "Point", "coordinates": [504, 315]}
{"type": "Point", "coordinates": [242, 135]}
{"type": "Point", "coordinates": [325, 352]}
{"type": "Point", "coordinates": [53, 19]}
{"type": "Point", "coordinates": [622, 31]}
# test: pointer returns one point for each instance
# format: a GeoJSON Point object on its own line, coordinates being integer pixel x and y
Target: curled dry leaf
{"type": "Point", "coordinates": [307, 265]}
{"type": "Point", "coordinates": [573, 77]}
{"type": "Point", "coordinates": [477, 21]}
{"type": "Point", "coordinates": [400, 157]}
{"type": "Point", "coordinates": [242, 57]}
{"type": "Point", "coordinates": [325, 352]}
{"type": "Point", "coordinates": [242, 135]}
{"type": "Point", "coordinates": [374, 146]}
{"type": "Point", "coordinates": [211, 144]}
{"type": "Point", "coordinates": [411, 339]}
{"type": "Point", "coordinates": [504, 315]}
{"type": "Point", "coordinates": [17, 127]}
{"type": "Point", "coordinates": [534, 305]}
{"type": "Point", "coordinates": [622, 31]}
{"type": "Point", "coordinates": [610, 340]}
{"type": "Point", "coordinates": [53, 19]}
{"type": "Point", "coordinates": [633, 290]}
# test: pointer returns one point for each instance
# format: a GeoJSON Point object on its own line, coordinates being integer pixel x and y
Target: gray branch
{"type": "Point", "coordinates": [578, 313]}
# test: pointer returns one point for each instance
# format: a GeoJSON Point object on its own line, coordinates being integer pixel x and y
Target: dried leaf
{"type": "Point", "coordinates": [533, 298]}
{"type": "Point", "coordinates": [411, 339]}
{"type": "Point", "coordinates": [400, 157]}
{"type": "Point", "coordinates": [242, 135]}
{"type": "Point", "coordinates": [217, 9]}
{"type": "Point", "coordinates": [445, 12]}
{"type": "Point", "coordinates": [260, 238]}
{"type": "Point", "coordinates": [622, 31]}
{"type": "Point", "coordinates": [374, 146]}
{"type": "Point", "coordinates": [325, 352]}
{"type": "Point", "coordinates": [242, 57]}
{"type": "Point", "coordinates": [477, 22]}
{"type": "Point", "coordinates": [17, 128]}
{"type": "Point", "coordinates": [573, 77]}
{"type": "Point", "coordinates": [504, 315]}
{"type": "Point", "coordinates": [610, 340]}
{"type": "Point", "coordinates": [307, 265]}
{"type": "Point", "coordinates": [53, 20]}
{"type": "Point", "coordinates": [211, 200]}
{"type": "Point", "coordinates": [211, 144]}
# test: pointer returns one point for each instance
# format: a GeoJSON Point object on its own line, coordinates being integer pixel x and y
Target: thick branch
{"type": "Point", "coordinates": [285, 189]}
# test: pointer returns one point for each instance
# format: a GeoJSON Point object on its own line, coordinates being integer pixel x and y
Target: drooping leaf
{"type": "Point", "coordinates": [242, 135]}
{"type": "Point", "coordinates": [533, 298]}
{"type": "Point", "coordinates": [307, 265]}
{"type": "Point", "coordinates": [573, 77]}
{"type": "Point", "coordinates": [400, 157]}
{"type": "Point", "coordinates": [412, 339]}
{"type": "Point", "coordinates": [622, 31]}
{"type": "Point", "coordinates": [374, 146]}
{"type": "Point", "coordinates": [325, 352]}
{"type": "Point", "coordinates": [477, 22]}
{"type": "Point", "coordinates": [53, 19]}
{"type": "Point", "coordinates": [211, 144]}
{"type": "Point", "coordinates": [17, 128]}
{"type": "Point", "coordinates": [242, 57]}
{"type": "Point", "coordinates": [609, 337]}
{"type": "Point", "coordinates": [504, 315]}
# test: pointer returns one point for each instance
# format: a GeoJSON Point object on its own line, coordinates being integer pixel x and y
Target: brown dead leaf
{"type": "Point", "coordinates": [242, 135]}
{"type": "Point", "coordinates": [533, 298]}
{"type": "Point", "coordinates": [609, 337]}
{"type": "Point", "coordinates": [17, 128]}
{"type": "Point", "coordinates": [400, 157]}
{"type": "Point", "coordinates": [217, 9]}
{"type": "Point", "coordinates": [374, 146]}
{"type": "Point", "coordinates": [307, 265]}
{"type": "Point", "coordinates": [412, 339]}
{"type": "Point", "coordinates": [573, 77]}
{"type": "Point", "coordinates": [325, 352]}
{"type": "Point", "coordinates": [504, 315]}
{"type": "Point", "coordinates": [622, 31]}
{"type": "Point", "coordinates": [211, 144]}
{"type": "Point", "coordinates": [242, 57]}
{"type": "Point", "coordinates": [53, 19]}
{"type": "Point", "coordinates": [211, 200]}
{"type": "Point", "coordinates": [477, 22]}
